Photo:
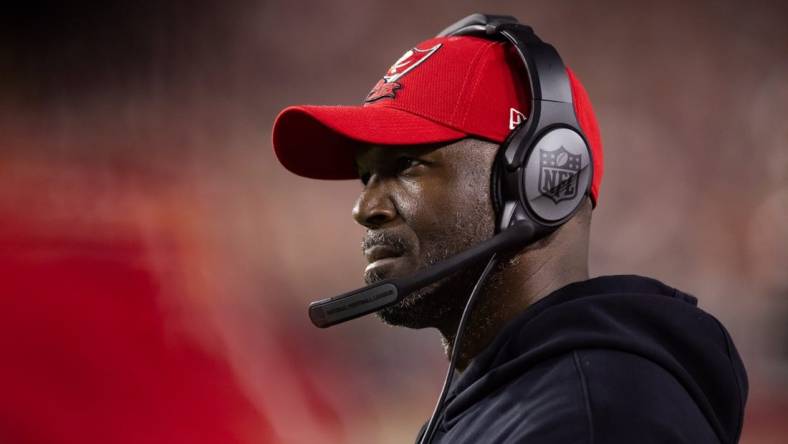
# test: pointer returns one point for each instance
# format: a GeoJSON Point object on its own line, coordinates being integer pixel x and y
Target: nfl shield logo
{"type": "Point", "coordinates": [558, 173]}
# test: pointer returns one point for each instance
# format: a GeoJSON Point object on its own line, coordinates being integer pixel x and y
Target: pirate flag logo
{"type": "Point", "coordinates": [558, 173]}
{"type": "Point", "coordinates": [388, 85]}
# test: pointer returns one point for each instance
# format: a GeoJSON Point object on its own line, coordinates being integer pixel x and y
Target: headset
{"type": "Point", "coordinates": [541, 175]}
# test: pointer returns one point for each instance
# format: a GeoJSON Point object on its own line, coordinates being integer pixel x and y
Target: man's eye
{"type": "Point", "coordinates": [405, 163]}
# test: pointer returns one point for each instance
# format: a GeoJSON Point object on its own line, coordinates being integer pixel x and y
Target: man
{"type": "Point", "coordinates": [549, 355]}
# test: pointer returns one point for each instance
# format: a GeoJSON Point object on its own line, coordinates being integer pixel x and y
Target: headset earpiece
{"type": "Point", "coordinates": [555, 176]}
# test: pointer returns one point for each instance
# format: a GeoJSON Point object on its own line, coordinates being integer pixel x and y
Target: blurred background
{"type": "Point", "coordinates": [157, 262]}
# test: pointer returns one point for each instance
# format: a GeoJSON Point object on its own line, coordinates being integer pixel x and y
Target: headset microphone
{"type": "Point", "coordinates": [371, 298]}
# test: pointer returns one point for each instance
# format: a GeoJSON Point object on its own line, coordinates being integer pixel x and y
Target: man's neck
{"type": "Point", "coordinates": [516, 284]}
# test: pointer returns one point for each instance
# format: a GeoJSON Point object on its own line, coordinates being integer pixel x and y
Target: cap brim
{"type": "Point", "coordinates": [321, 141]}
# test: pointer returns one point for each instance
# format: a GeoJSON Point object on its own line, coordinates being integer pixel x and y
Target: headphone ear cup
{"type": "Point", "coordinates": [556, 176]}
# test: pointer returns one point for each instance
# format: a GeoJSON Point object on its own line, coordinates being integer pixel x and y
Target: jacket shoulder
{"type": "Point", "coordinates": [632, 399]}
{"type": "Point", "coordinates": [586, 396]}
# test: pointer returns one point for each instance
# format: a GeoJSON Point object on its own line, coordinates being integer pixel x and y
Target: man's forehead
{"type": "Point", "coordinates": [369, 152]}
{"type": "Point", "coordinates": [467, 149]}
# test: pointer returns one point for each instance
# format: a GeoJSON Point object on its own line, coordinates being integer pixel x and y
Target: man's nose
{"type": "Point", "coordinates": [374, 207]}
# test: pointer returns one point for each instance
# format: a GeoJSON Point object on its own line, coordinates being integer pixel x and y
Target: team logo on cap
{"type": "Point", "coordinates": [387, 86]}
{"type": "Point", "coordinates": [558, 173]}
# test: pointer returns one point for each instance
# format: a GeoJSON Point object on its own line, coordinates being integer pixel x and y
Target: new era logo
{"type": "Point", "coordinates": [515, 118]}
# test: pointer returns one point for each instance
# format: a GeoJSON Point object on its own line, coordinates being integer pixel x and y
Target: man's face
{"type": "Point", "coordinates": [420, 205]}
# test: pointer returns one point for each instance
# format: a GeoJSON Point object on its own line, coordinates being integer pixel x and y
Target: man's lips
{"type": "Point", "coordinates": [379, 252]}
{"type": "Point", "coordinates": [386, 253]}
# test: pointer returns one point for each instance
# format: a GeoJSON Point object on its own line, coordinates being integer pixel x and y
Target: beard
{"type": "Point", "coordinates": [444, 300]}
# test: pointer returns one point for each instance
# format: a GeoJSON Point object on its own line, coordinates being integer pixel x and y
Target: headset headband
{"type": "Point", "coordinates": [546, 72]}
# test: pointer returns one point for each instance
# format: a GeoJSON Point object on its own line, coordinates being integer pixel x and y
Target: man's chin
{"type": "Point", "coordinates": [435, 305]}
{"type": "Point", "coordinates": [405, 313]}
{"type": "Point", "coordinates": [430, 306]}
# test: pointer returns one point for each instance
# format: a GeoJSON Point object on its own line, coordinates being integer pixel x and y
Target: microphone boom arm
{"type": "Point", "coordinates": [356, 303]}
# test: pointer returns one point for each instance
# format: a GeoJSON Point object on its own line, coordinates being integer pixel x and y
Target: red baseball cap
{"type": "Point", "coordinates": [440, 91]}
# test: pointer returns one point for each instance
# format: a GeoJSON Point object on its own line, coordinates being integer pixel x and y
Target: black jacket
{"type": "Point", "coordinates": [614, 359]}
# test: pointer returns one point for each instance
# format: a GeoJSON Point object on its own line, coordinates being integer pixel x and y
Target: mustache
{"type": "Point", "coordinates": [383, 238]}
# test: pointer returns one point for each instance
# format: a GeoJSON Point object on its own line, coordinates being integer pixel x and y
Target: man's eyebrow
{"type": "Point", "coordinates": [391, 155]}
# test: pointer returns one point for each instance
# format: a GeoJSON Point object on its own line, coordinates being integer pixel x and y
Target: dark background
{"type": "Point", "coordinates": [136, 135]}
